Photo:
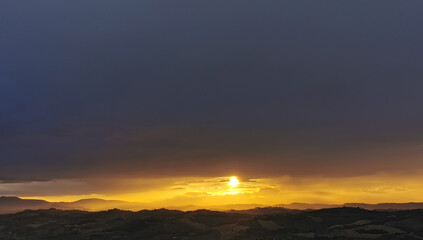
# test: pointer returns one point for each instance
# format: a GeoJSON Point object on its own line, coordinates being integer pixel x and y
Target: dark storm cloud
{"type": "Point", "coordinates": [164, 88]}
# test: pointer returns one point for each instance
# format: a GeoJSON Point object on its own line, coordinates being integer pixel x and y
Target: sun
{"type": "Point", "coordinates": [233, 181]}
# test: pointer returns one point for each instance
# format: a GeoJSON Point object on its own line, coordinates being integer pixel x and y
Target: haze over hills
{"type": "Point", "coordinates": [16, 204]}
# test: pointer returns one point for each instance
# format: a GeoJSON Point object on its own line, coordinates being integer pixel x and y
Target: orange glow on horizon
{"type": "Point", "coordinates": [218, 191]}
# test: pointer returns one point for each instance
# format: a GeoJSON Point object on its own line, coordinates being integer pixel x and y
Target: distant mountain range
{"type": "Point", "coordinates": [16, 204]}
{"type": "Point", "coordinates": [378, 206]}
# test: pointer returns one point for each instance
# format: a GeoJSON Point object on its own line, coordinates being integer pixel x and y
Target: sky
{"type": "Point", "coordinates": [163, 101]}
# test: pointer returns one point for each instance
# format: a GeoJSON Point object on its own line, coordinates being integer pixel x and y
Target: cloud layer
{"type": "Point", "coordinates": [177, 89]}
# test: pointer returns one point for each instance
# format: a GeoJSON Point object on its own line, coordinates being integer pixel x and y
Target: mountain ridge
{"type": "Point", "coordinates": [13, 204]}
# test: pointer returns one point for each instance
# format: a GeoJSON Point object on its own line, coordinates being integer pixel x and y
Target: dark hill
{"type": "Point", "coordinates": [335, 223]}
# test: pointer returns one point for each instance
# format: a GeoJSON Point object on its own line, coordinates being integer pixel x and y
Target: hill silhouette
{"type": "Point", "coordinates": [15, 204]}
{"type": "Point", "coordinates": [324, 224]}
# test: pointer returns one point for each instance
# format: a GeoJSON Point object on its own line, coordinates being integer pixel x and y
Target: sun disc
{"type": "Point", "coordinates": [233, 181]}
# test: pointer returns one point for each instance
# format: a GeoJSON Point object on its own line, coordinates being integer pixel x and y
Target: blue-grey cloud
{"type": "Point", "coordinates": [205, 88]}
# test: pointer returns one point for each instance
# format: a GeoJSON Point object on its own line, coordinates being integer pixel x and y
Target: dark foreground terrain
{"type": "Point", "coordinates": [335, 223]}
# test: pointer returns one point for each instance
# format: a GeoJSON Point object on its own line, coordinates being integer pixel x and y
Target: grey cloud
{"type": "Point", "coordinates": [165, 88]}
